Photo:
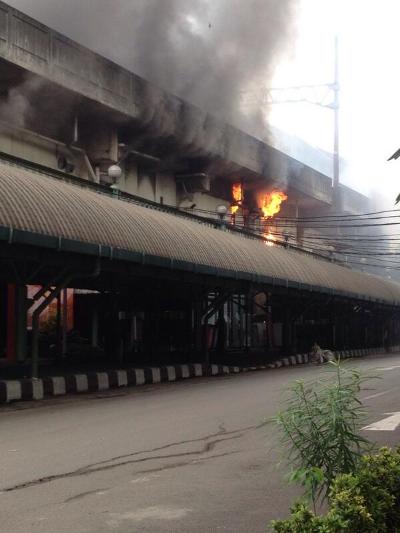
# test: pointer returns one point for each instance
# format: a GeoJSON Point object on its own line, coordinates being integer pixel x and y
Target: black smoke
{"type": "Point", "coordinates": [216, 54]}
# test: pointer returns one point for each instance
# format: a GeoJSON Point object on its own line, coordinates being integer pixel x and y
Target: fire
{"type": "Point", "coordinates": [237, 195]}
{"type": "Point", "coordinates": [269, 239]}
{"type": "Point", "coordinates": [271, 203]}
{"type": "Point", "coordinates": [237, 192]}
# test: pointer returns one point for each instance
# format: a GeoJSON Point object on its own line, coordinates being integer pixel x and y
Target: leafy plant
{"type": "Point", "coordinates": [365, 501]}
{"type": "Point", "coordinates": [320, 429]}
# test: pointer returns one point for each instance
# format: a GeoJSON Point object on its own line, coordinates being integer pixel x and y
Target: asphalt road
{"type": "Point", "coordinates": [195, 456]}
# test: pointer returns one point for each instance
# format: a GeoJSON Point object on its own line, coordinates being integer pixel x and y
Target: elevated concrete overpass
{"type": "Point", "coordinates": [93, 85]}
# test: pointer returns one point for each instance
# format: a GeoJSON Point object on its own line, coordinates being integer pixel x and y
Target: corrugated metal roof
{"type": "Point", "coordinates": [44, 205]}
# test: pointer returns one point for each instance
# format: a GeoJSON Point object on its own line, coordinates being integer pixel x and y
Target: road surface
{"type": "Point", "coordinates": [194, 456]}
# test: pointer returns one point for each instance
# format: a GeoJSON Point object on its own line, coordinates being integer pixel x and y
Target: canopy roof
{"type": "Point", "coordinates": [42, 210]}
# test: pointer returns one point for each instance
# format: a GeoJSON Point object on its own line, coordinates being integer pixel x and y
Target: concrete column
{"type": "Point", "coordinates": [131, 333]}
{"type": "Point", "coordinates": [58, 327]}
{"type": "Point", "coordinates": [116, 345]}
{"type": "Point", "coordinates": [221, 332]}
{"type": "Point", "coordinates": [197, 326]}
{"type": "Point", "coordinates": [11, 324]}
{"type": "Point", "coordinates": [95, 327]}
{"type": "Point", "coordinates": [288, 331]}
{"type": "Point", "coordinates": [16, 323]}
{"type": "Point", "coordinates": [64, 325]}
{"type": "Point", "coordinates": [248, 321]}
{"type": "Point", "coordinates": [120, 338]}
{"type": "Point", "coordinates": [134, 330]}
{"type": "Point", "coordinates": [299, 227]}
{"type": "Point", "coordinates": [21, 315]}
{"type": "Point", "coordinates": [205, 338]}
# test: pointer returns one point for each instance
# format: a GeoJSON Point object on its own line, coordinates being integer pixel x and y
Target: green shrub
{"type": "Point", "coordinates": [302, 519]}
{"type": "Point", "coordinates": [320, 429]}
{"type": "Point", "coordinates": [365, 501]}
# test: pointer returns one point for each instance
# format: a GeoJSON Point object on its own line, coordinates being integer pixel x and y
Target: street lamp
{"type": "Point", "coordinates": [114, 172]}
{"type": "Point", "coordinates": [221, 211]}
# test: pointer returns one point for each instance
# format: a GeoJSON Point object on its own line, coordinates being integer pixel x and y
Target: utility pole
{"type": "Point", "coordinates": [336, 156]}
{"type": "Point", "coordinates": [324, 95]}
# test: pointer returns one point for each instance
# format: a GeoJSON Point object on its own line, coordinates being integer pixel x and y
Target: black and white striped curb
{"type": "Point", "coordinates": [345, 354]}
{"type": "Point", "coordinates": [37, 389]}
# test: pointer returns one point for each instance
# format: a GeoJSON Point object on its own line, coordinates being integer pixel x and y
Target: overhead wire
{"type": "Point", "coordinates": [316, 217]}
{"type": "Point", "coordinates": [376, 248]}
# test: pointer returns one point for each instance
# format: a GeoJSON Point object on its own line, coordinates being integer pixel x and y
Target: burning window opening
{"type": "Point", "coordinates": [271, 203]}
{"type": "Point", "coordinates": [237, 195]}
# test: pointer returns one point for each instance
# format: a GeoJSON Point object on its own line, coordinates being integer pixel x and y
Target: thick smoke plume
{"type": "Point", "coordinates": [16, 108]}
{"type": "Point", "coordinates": [210, 52]}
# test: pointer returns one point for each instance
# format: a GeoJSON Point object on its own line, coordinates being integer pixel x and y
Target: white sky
{"type": "Point", "coordinates": [369, 46]}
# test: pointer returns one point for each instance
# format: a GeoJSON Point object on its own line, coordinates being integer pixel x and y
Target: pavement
{"type": "Point", "coordinates": [189, 456]}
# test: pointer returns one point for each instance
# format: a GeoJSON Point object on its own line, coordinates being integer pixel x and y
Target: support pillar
{"type": "Point", "coordinates": [16, 323]}
{"type": "Point", "coordinates": [287, 331]}
{"type": "Point", "coordinates": [52, 294]}
{"type": "Point", "coordinates": [212, 308]}
{"type": "Point", "coordinates": [21, 294]}
{"type": "Point", "coordinates": [48, 293]}
{"type": "Point", "coordinates": [221, 332]}
{"type": "Point", "coordinates": [95, 327]}
{"type": "Point", "coordinates": [118, 341]}
{"type": "Point", "coordinates": [197, 328]}
{"type": "Point", "coordinates": [58, 328]}
{"type": "Point", "coordinates": [64, 322]}
{"type": "Point", "coordinates": [299, 226]}
{"type": "Point", "coordinates": [247, 325]}
{"type": "Point", "coordinates": [11, 324]}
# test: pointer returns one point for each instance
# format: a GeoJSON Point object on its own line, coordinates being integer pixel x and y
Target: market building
{"type": "Point", "coordinates": [136, 228]}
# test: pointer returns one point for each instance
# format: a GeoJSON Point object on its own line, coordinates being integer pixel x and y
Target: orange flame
{"type": "Point", "coordinates": [271, 203]}
{"type": "Point", "coordinates": [237, 195]}
{"type": "Point", "coordinates": [237, 192]}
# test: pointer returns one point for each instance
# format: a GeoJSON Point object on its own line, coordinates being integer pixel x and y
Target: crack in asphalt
{"type": "Point", "coordinates": [90, 470]}
{"type": "Point", "coordinates": [154, 470]}
{"type": "Point", "coordinates": [186, 463]}
{"type": "Point", "coordinates": [117, 461]}
{"type": "Point", "coordinates": [84, 494]}
{"type": "Point", "coordinates": [222, 431]}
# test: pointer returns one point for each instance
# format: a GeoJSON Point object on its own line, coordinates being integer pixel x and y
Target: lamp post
{"type": "Point", "coordinates": [114, 172]}
{"type": "Point", "coordinates": [221, 211]}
